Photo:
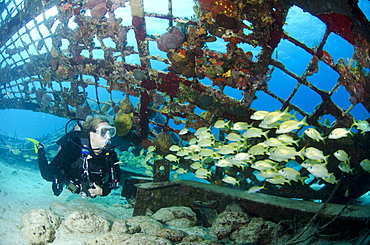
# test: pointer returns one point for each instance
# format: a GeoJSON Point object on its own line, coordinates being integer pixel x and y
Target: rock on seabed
{"type": "Point", "coordinates": [171, 225]}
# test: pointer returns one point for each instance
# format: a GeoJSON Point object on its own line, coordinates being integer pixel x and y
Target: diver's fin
{"type": "Point", "coordinates": [35, 144]}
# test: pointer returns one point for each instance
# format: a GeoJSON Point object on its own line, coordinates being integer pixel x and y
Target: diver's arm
{"type": "Point", "coordinates": [65, 156]}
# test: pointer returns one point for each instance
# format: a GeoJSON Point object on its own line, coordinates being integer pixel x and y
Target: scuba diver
{"type": "Point", "coordinates": [86, 162]}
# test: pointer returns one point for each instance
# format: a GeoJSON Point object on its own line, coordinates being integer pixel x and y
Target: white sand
{"type": "Point", "coordinates": [24, 189]}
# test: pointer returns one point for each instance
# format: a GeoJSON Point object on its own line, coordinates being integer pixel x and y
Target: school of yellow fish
{"type": "Point", "coordinates": [270, 156]}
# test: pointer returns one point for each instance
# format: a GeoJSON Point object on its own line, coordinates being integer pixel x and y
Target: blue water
{"type": "Point", "coordinates": [21, 124]}
{"type": "Point", "coordinates": [27, 124]}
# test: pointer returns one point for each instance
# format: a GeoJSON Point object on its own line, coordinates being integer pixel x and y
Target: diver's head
{"type": "Point", "coordinates": [100, 130]}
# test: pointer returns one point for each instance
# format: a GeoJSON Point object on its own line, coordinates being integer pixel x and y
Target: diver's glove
{"type": "Point", "coordinates": [57, 187]}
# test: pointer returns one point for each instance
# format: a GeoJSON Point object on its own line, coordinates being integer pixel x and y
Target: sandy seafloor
{"type": "Point", "coordinates": [23, 189]}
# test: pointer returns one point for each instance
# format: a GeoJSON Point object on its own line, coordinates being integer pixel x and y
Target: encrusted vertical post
{"type": "Point", "coordinates": [170, 13]}
{"type": "Point", "coordinates": [138, 22]}
{"type": "Point", "coordinates": [161, 170]}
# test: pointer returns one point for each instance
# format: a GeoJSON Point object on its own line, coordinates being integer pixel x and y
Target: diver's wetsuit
{"type": "Point", "coordinates": [67, 168]}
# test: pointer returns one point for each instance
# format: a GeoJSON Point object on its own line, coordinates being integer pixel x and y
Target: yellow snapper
{"type": "Point", "coordinates": [331, 179]}
{"type": "Point", "coordinates": [287, 116]}
{"type": "Point", "coordinates": [221, 124]}
{"type": "Point", "coordinates": [196, 165]}
{"type": "Point", "coordinates": [338, 133]}
{"type": "Point", "coordinates": [234, 137]}
{"type": "Point", "coordinates": [202, 172]}
{"type": "Point", "coordinates": [270, 173]}
{"type": "Point", "coordinates": [345, 167]}
{"type": "Point", "coordinates": [181, 171]}
{"type": "Point", "coordinates": [142, 151]}
{"type": "Point", "coordinates": [194, 148]}
{"type": "Point", "coordinates": [365, 164]}
{"type": "Point", "coordinates": [314, 134]}
{"type": "Point", "coordinates": [223, 163]}
{"type": "Point", "coordinates": [151, 148]}
{"type": "Point", "coordinates": [206, 152]}
{"type": "Point", "coordinates": [183, 152]}
{"type": "Point", "coordinates": [271, 125]}
{"type": "Point", "coordinates": [288, 140]}
{"type": "Point", "coordinates": [289, 126]}
{"type": "Point", "coordinates": [188, 156]}
{"type": "Point", "coordinates": [291, 174]}
{"type": "Point", "coordinates": [314, 154]}
{"type": "Point", "coordinates": [318, 171]}
{"type": "Point", "coordinates": [205, 135]}
{"type": "Point", "coordinates": [259, 115]}
{"type": "Point", "coordinates": [264, 165]}
{"type": "Point", "coordinates": [243, 156]}
{"type": "Point", "coordinates": [184, 131]}
{"type": "Point", "coordinates": [239, 164]}
{"type": "Point", "coordinates": [193, 141]}
{"type": "Point", "coordinates": [18, 152]}
{"type": "Point", "coordinates": [172, 158]}
{"type": "Point", "coordinates": [201, 130]}
{"type": "Point", "coordinates": [363, 126]}
{"type": "Point", "coordinates": [283, 153]}
{"type": "Point", "coordinates": [255, 189]}
{"type": "Point", "coordinates": [274, 116]}
{"type": "Point", "coordinates": [255, 133]}
{"type": "Point", "coordinates": [272, 142]}
{"type": "Point", "coordinates": [236, 145]}
{"type": "Point", "coordinates": [227, 149]}
{"type": "Point", "coordinates": [174, 148]}
{"type": "Point", "coordinates": [205, 142]}
{"type": "Point", "coordinates": [259, 149]}
{"type": "Point", "coordinates": [230, 180]}
{"type": "Point", "coordinates": [239, 126]}
{"type": "Point", "coordinates": [309, 162]}
{"type": "Point", "coordinates": [278, 180]}
{"type": "Point", "coordinates": [196, 157]}
{"type": "Point", "coordinates": [341, 155]}
{"type": "Point", "coordinates": [148, 156]}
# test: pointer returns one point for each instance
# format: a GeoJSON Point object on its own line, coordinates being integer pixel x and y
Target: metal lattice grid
{"type": "Point", "coordinates": [72, 58]}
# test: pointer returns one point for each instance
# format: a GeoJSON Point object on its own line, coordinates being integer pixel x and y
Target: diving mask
{"type": "Point", "coordinates": [103, 131]}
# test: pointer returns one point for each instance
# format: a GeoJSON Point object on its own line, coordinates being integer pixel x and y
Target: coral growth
{"type": "Point", "coordinates": [99, 11]}
{"type": "Point", "coordinates": [98, 8]}
{"type": "Point", "coordinates": [123, 123]}
{"type": "Point", "coordinates": [171, 39]}
{"type": "Point", "coordinates": [219, 7]}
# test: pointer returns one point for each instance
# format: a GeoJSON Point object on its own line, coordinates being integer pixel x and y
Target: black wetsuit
{"type": "Point", "coordinates": [67, 168]}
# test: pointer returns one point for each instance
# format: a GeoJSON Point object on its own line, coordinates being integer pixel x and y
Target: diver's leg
{"type": "Point", "coordinates": [46, 169]}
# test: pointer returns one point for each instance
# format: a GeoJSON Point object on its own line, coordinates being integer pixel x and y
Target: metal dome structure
{"type": "Point", "coordinates": [71, 58]}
